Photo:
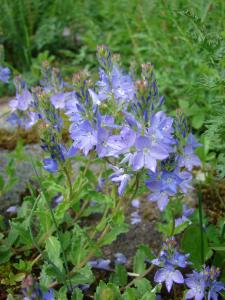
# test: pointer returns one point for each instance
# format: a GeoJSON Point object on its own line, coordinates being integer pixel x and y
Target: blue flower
{"type": "Point", "coordinates": [202, 283]}
{"type": "Point", "coordinates": [121, 178]}
{"type": "Point", "coordinates": [58, 100]}
{"type": "Point", "coordinates": [163, 185]}
{"type": "Point", "coordinates": [121, 143]}
{"type": "Point", "coordinates": [135, 218]}
{"type": "Point", "coordinates": [49, 295]}
{"type": "Point", "coordinates": [169, 275]}
{"type": "Point", "coordinates": [84, 137]}
{"type": "Point", "coordinates": [103, 85]}
{"type": "Point", "coordinates": [189, 159]}
{"type": "Point", "coordinates": [100, 264]}
{"type": "Point", "coordinates": [120, 258]}
{"type": "Point", "coordinates": [50, 165]}
{"type": "Point", "coordinates": [4, 74]}
{"type": "Point", "coordinates": [122, 86]}
{"type": "Point", "coordinates": [215, 289]}
{"type": "Point", "coordinates": [196, 284]}
{"type": "Point", "coordinates": [22, 101]}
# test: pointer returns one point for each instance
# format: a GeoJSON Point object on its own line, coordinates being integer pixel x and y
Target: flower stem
{"type": "Point", "coordinates": [54, 222]}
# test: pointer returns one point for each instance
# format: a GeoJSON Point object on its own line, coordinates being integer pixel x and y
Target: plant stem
{"type": "Point", "coordinates": [201, 225]}
{"type": "Point", "coordinates": [54, 222]}
{"type": "Point", "coordinates": [138, 277]}
{"type": "Point", "coordinates": [69, 181]}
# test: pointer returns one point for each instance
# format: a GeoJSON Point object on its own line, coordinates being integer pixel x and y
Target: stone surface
{"type": "Point", "coordinates": [23, 172]}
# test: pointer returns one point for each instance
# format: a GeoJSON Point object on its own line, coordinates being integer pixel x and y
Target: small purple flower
{"type": "Point", "coordinates": [135, 203]}
{"type": "Point", "coordinates": [120, 259]}
{"type": "Point", "coordinates": [49, 295]}
{"type": "Point", "coordinates": [202, 283]}
{"type": "Point", "coordinates": [58, 100]}
{"type": "Point", "coordinates": [196, 285]}
{"type": "Point", "coordinates": [50, 165]}
{"type": "Point", "coordinates": [135, 218]}
{"type": "Point", "coordinates": [163, 185]}
{"type": "Point", "coordinates": [122, 86]}
{"type": "Point", "coordinates": [146, 155]}
{"type": "Point", "coordinates": [189, 159]}
{"type": "Point", "coordinates": [4, 74]}
{"type": "Point", "coordinates": [12, 209]}
{"type": "Point", "coordinates": [100, 264]}
{"type": "Point", "coordinates": [102, 147]}
{"type": "Point", "coordinates": [121, 143]}
{"type": "Point", "coordinates": [103, 85]}
{"type": "Point", "coordinates": [184, 218]}
{"type": "Point", "coordinates": [162, 199]}
{"type": "Point", "coordinates": [94, 97]}
{"type": "Point", "coordinates": [84, 137]}
{"type": "Point", "coordinates": [168, 275]}
{"type": "Point", "coordinates": [121, 178]}
{"type": "Point", "coordinates": [22, 101]}
{"type": "Point", "coordinates": [216, 288]}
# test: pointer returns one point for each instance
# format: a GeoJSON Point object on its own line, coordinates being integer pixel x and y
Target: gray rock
{"type": "Point", "coordinates": [24, 173]}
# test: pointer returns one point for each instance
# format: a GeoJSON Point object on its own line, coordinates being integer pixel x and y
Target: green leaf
{"type": "Point", "coordinates": [139, 265]}
{"type": "Point", "coordinates": [45, 279]}
{"type": "Point", "coordinates": [130, 294]}
{"type": "Point", "coordinates": [119, 277]}
{"type": "Point", "coordinates": [53, 250]}
{"type": "Point", "coordinates": [191, 243]}
{"type": "Point", "coordinates": [2, 182]}
{"type": "Point", "coordinates": [82, 276]}
{"type": "Point", "coordinates": [218, 248]}
{"type": "Point", "coordinates": [112, 235]}
{"type": "Point", "coordinates": [143, 285]}
{"type": "Point", "coordinates": [62, 293]}
{"type": "Point", "coordinates": [22, 265]}
{"type": "Point", "coordinates": [60, 211]}
{"type": "Point", "coordinates": [107, 292]}
{"type": "Point", "coordinates": [180, 228]}
{"type": "Point", "coordinates": [148, 296]}
{"type": "Point", "coordinates": [77, 294]}
{"type": "Point", "coordinates": [22, 230]}
{"type": "Point", "coordinates": [5, 254]}
{"type": "Point", "coordinates": [198, 120]}
{"type": "Point", "coordinates": [77, 251]}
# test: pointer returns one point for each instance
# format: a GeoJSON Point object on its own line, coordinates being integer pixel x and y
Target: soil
{"type": "Point", "coordinates": [213, 201]}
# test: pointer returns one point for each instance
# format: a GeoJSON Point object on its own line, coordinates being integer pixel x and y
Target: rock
{"type": "Point", "coordinates": [23, 172]}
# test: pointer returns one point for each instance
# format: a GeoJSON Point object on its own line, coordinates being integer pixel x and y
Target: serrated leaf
{"type": "Point", "coordinates": [112, 235]}
{"type": "Point", "coordinates": [77, 294]}
{"type": "Point", "coordinates": [143, 285]}
{"type": "Point", "coordinates": [62, 293]}
{"type": "Point", "coordinates": [119, 277]}
{"type": "Point", "coordinates": [130, 294]}
{"type": "Point", "coordinates": [53, 249]}
{"type": "Point", "coordinates": [107, 292]}
{"type": "Point", "coordinates": [143, 253]}
{"type": "Point", "coordinates": [82, 276]}
{"type": "Point", "coordinates": [148, 296]}
{"type": "Point", "coordinates": [5, 254]}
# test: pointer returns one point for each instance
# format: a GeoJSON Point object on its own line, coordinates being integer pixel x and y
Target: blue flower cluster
{"type": "Point", "coordinates": [201, 285]}
{"type": "Point", "coordinates": [4, 74]}
{"type": "Point", "coordinates": [169, 260]}
{"type": "Point", "coordinates": [204, 284]}
{"type": "Point", "coordinates": [118, 117]}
